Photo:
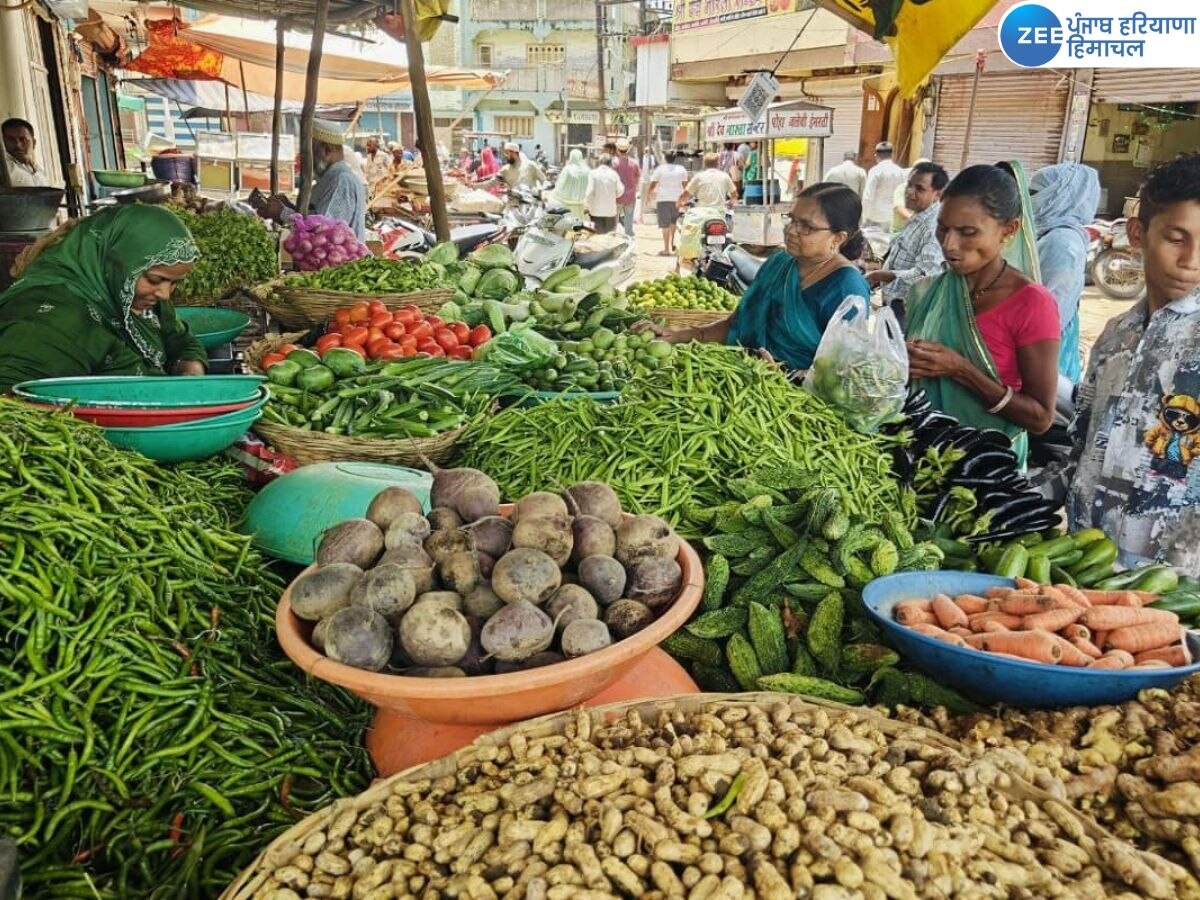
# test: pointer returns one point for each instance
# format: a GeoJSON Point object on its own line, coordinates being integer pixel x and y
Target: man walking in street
{"type": "Point", "coordinates": [604, 187]}
{"type": "Point", "coordinates": [19, 144]}
{"type": "Point", "coordinates": [666, 185]}
{"type": "Point", "coordinates": [630, 173]}
{"type": "Point", "coordinates": [915, 253]}
{"type": "Point", "coordinates": [882, 181]}
{"type": "Point", "coordinates": [519, 171]}
{"type": "Point", "coordinates": [849, 173]}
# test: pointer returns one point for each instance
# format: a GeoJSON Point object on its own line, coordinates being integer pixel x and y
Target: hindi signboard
{"type": "Point", "coordinates": [796, 119]}
{"type": "Point", "coordinates": [687, 14]}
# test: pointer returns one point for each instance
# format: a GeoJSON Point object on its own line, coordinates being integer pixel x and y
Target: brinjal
{"type": "Point", "coordinates": [988, 461]}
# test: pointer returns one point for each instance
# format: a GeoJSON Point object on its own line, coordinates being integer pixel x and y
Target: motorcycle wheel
{"type": "Point", "coordinates": [1118, 274]}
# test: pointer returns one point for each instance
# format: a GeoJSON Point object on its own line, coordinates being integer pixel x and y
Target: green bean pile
{"type": "Point", "coordinates": [678, 435]}
{"type": "Point", "coordinates": [152, 737]}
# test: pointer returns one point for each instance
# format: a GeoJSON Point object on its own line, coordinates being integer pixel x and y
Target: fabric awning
{"type": "Point", "coordinates": [207, 99]}
{"type": "Point", "coordinates": [919, 35]}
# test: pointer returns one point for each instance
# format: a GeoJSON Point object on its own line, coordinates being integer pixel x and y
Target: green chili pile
{"type": "Point", "coordinates": [152, 737]}
{"type": "Point", "coordinates": [679, 435]}
{"type": "Point", "coordinates": [236, 251]}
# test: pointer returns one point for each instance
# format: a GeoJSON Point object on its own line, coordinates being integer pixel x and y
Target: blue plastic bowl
{"type": "Point", "coordinates": [996, 679]}
{"type": "Point", "coordinates": [187, 440]}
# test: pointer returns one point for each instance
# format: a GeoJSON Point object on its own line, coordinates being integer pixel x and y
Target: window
{"type": "Point", "coordinates": [544, 54]}
{"type": "Point", "coordinates": [518, 126]}
{"type": "Point", "coordinates": [483, 55]}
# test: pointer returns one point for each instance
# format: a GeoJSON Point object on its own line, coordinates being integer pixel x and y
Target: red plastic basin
{"type": "Point", "coordinates": [138, 418]}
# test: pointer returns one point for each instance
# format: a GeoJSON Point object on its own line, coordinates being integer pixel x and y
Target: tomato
{"type": "Point", "coordinates": [288, 348]}
{"type": "Point", "coordinates": [270, 359]}
{"type": "Point", "coordinates": [436, 322]}
{"type": "Point", "coordinates": [336, 328]}
{"type": "Point", "coordinates": [377, 306]}
{"type": "Point", "coordinates": [405, 317]}
{"type": "Point", "coordinates": [391, 351]}
{"type": "Point", "coordinates": [359, 313]}
{"type": "Point", "coordinates": [395, 331]}
{"type": "Point", "coordinates": [342, 316]}
{"type": "Point", "coordinates": [480, 335]}
{"type": "Point", "coordinates": [328, 340]}
{"type": "Point", "coordinates": [413, 310]}
{"type": "Point", "coordinates": [380, 319]}
{"type": "Point", "coordinates": [422, 331]}
{"type": "Point", "coordinates": [431, 348]}
{"type": "Point", "coordinates": [445, 337]}
{"type": "Point", "coordinates": [373, 333]}
{"type": "Point", "coordinates": [461, 352]}
{"type": "Point", "coordinates": [409, 342]}
{"type": "Point", "coordinates": [354, 335]}
{"type": "Point", "coordinates": [375, 345]}
{"type": "Point", "coordinates": [461, 330]}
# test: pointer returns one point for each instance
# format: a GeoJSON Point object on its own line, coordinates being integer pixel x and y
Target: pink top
{"type": "Point", "coordinates": [631, 174]}
{"type": "Point", "coordinates": [1025, 317]}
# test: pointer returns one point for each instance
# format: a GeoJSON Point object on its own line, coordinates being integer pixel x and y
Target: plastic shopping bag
{"type": "Point", "coordinates": [861, 366]}
{"type": "Point", "coordinates": [520, 349]}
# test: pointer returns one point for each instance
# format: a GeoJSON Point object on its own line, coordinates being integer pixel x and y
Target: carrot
{"type": "Point", "coordinates": [993, 625]}
{"type": "Point", "coordinates": [1105, 618]}
{"type": "Point", "coordinates": [1052, 620]}
{"type": "Point", "coordinates": [1061, 600]}
{"type": "Point", "coordinates": [1086, 646]}
{"type": "Point", "coordinates": [1027, 584]}
{"type": "Point", "coordinates": [937, 633]}
{"type": "Point", "coordinates": [1038, 646]}
{"type": "Point", "coordinates": [1026, 604]}
{"type": "Point", "coordinates": [1147, 597]}
{"type": "Point", "coordinates": [1074, 593]}
{"type": "Point", "coordinates": [960, 631]}
{"type": "Point", "coordinates": [1072, 655]}
{"type": "Point", "coordinates": [970, 603]}
{"type": "Point", "coordinates": [1174, 655]}
{"type": "Point", "coordinates": [1138, 638]}
{"type": "Point", "coordinates": [1153, 664]}
{"type": "Point", "coordinates": [1104, 598]}
{"type": "Point", "coordinates": [976, 640]}
{"type": "Point", "coordinates": [1099, 637]}
{"type": "Point", "coordinates": [1125, 657]}
{"type": "Point", "coordinates": [975, 622]}
{"type": "Point", "coordinates": [998, 593]}
{"type": "Point", "coordinates": [1107, 662]}
{"type": "Point", "coordinates": [1075, 630]}
{"type": "Point", "coordinates": [912, 612]}
{"type": "Point", "coordinates": [948, 615]}
{"type": "Point", "coordinates": [1130, 599]}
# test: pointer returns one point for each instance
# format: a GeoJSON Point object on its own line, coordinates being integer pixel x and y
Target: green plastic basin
{"type": "Point", "coordinates": [287, 517]}
{"type": "Point", "coordinates": [186, 440]}
{"type": "Point", "coordinates": [114, 179]}
{"type": "Point", "coordinates": [142, 391]}
{"type": "Point", "coordinates": [213, 326]}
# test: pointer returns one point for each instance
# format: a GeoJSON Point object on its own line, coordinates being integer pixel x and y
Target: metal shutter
{"type": "Point", "coordinates": [1017, 115]}
{"type": "Point", "coordinates": [1146, 85]}
{"type": "Point", "coordinates": [846, 104]}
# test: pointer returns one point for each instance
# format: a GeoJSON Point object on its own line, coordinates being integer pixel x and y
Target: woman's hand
{"type": "Point", "coordinates": [657, 330]}
{"type": "Point", "coordinates": [929, 359]}
{"type": "Point", "coordinates": [188, 367]}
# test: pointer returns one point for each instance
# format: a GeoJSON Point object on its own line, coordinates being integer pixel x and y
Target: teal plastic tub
{"type": "Point", "coordinates": [212, 325]}
{"type": "Point", "coordinates": [187, 441]}
{"type": "Point", "coordinates": [142, 391]}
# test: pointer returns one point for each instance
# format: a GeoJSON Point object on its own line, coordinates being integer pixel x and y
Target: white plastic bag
{"type": "Point", "coordinates": [861, 365]}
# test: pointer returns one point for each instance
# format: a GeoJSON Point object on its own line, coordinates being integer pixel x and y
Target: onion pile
{"type": "Point", "coordinates": [317, 242]}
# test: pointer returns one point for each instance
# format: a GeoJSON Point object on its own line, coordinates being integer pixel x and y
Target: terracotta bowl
{"type": "Point", "coordinates": [495, 699]}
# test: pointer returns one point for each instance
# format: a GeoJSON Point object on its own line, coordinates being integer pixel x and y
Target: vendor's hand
{"type": "Point", "coordinates": [189, 367]}
{"type": "Point", "coordinates": [648, 326]}
{"type": "Point", "coordinates": [881, 276]}
{"type": "Point", "coordinates": [765, 354]}
{"type": "Point", "coordinates": [929, 359]}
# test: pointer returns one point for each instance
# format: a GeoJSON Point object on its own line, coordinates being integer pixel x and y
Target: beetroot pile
{"type": "Point", "coordinates": [465, 591]}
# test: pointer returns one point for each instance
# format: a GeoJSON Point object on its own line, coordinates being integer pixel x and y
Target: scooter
{"type": "Point", "coordinates": [402, 238]}
{"type": "Point", "coordinates": [549, 244]}
{"type": "Point", "coordinates": [1117, 267]}
{"type": "Point", "coordinates": [733, 268]}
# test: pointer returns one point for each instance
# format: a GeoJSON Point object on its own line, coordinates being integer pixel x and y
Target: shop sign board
{"type": "Point", "coordinates": [687, 14]}
{"type": "Point", "coordinates": [783, 120]}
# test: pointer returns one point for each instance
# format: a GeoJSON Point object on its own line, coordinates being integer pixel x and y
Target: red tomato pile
{"type": "Point", "coordinates": [380, 333]}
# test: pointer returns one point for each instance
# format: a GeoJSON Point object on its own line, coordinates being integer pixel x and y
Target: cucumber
{"type": "Point", "coordinates": [1099, 553]}
{"type": "Point", "coordinates": [1057, 548]}
{"type": "Point", "coordinates": [952, 548]}
{"type": "Point", "coordinates": [1039, 568]}
{"type": "Point", "coordinates": [1013, 562]}
{"type": "Point", "coordinates": [1184, 605]}
{"type": "Point", "coordinates": [1090, 578]}
{"type": "Point", "coordinates": [1062, 576]}
{"type": "Point", "coordinates": [1087, 537]}
{"type": "Point", "coordinates": [990, 558]}
{"type": "Point", "coordinates": [562, 276]}
{"type": "Point", "coordinates": [1157, 580]}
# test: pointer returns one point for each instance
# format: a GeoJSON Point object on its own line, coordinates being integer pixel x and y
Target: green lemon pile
{"type": "Point", "coordinates": [681, 292]}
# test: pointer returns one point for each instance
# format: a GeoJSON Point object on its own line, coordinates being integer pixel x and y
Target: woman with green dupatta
{"type": "Point", "coordinates": [787, 308]}
{"type": "Point", "coordinates": [94, 299]}
{"type": "Point", "coordinates": [983, 337]}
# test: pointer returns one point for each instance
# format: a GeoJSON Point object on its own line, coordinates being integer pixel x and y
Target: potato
{"type": "Point", "coordinates": [390, 503]}
{"type": "Point", "coordinates": [387, 589]}
{"type": "Point", "coordinates": [594, 498]}
{"type": "Point", "coordinates": [359, 637]}
{"type": "Point", "coordinates": [571, 602]}
{"type": "Point", "coordinates": [355, 541]}
{"type": "Point", "coordinates": [434, 634]}
{"type": "Point", "coordinates": [655, 582]}
{"type": "Point", "coordinates": [517, 631]}
{"type": "Point", "coordinates": [444, 598]}
{"type": "Point", "coordinates": [460, 572]}
{"type": "Point", "coordinates": [469, 492]}
{"type": "Point", "coordinates": [525, 575]}
{"type": "Point", "coordinates": [482, 601]}
{"type": "Point", "coordinates": [492, 535]}
{"type": "Point", "coordinates": [550, 534]}
{"type": "Point", "coordinates": [584, 636]}
{"type": "Point", "coordinates": [645, 537]}
{"type": "Point", "coordinates": [626, 617]}
{"type": "Point", "coordinates": [415, 561]}
{"type": "Point", "coordinates": [592, 537]}
{"type": "Point", "coordinates": [407, 528]}
{"type": "Point", "coordinates": [442, 544]}
{"type": "Point", "coordinates": [443, 519]}
{"type": "Point", "coordinates": [603, 577]}
{"type": "Point", "coordinates": [323, 592]}
{"type": "Point", "coordinates": [540, 503]}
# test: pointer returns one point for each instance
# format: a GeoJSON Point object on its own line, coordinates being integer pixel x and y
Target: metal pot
{"type": "Point", "coordinates": [29, 208]}
{"type": "Point", "coordinates": [154, 192]}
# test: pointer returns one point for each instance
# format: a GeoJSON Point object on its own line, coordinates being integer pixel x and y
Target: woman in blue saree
{"type": "Point", "coordinates": [786, 309]}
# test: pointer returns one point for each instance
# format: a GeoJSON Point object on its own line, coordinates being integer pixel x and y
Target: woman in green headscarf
{"type": "Point", "coordinates": [983, 336]}
{"type": "Point", "coordinates": [571, 187]}
{"type": "Point", "coordinates": [94, 299]}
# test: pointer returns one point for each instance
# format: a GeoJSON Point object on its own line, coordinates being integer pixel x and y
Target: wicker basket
{"type": "Point", "coordinates": [248, 885]}
{"type": "Point", "coordinates": [686, 318]}
{"type": "Point", "coordinates": [307, 447]}
{"type": "Point", "coordinates": [253, 356]}
{"type": "Point", "coordinates": [304, 307]}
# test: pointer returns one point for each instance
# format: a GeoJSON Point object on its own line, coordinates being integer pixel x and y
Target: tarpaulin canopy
{"type": "Point", "coordinates": [241, 53]}
{"type": "Point", "coordinates": [209, 98]}
{"type": "Point", "coordinates": [918, 33]}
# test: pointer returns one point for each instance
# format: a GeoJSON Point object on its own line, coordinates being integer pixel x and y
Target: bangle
{"type": "Point", "coordinates": [1009, 393]}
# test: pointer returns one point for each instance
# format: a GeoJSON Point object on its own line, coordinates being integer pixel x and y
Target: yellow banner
{"type": "Point", "coordinates": [687, 14]}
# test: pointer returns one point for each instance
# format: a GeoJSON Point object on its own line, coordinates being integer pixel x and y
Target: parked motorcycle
{"type": "Point", "coordinates": [404, 237]}
{"type": "Point", "coordinates": [733, 268]}
{"type": "Point", "coordinates": [550, 243]}
{"type": "Point", "coordinates": [1117, 267]}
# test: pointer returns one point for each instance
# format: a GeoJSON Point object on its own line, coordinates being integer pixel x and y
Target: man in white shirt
{"type": "Point", "coordinates": [883, 180]}
{"type": "Point", "coordinates": [19, 144]}
{"type": "Point", "coordinates": [666, 184]}
{"type": "Point", "coordinates": [604, 187]}
{"type": "Point", "coordinates": [711, 187]}
{"type": "Point", "coordinates": [376, 164]}
{"type": "Point", "coordinates": [519, 171]}
{"type": "Point", "coordinates": [849, 173]}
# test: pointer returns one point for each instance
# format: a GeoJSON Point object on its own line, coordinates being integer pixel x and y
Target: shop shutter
{"type": "Point", "coordinates": [1146, 85]}
{"type": "Point", "coordinates": [1018, 115]}
{"type": "Point", "coordinates": [846, 103]}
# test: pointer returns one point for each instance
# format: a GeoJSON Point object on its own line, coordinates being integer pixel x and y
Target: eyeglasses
{"type": "Point", "coordinates": [803, 226]}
